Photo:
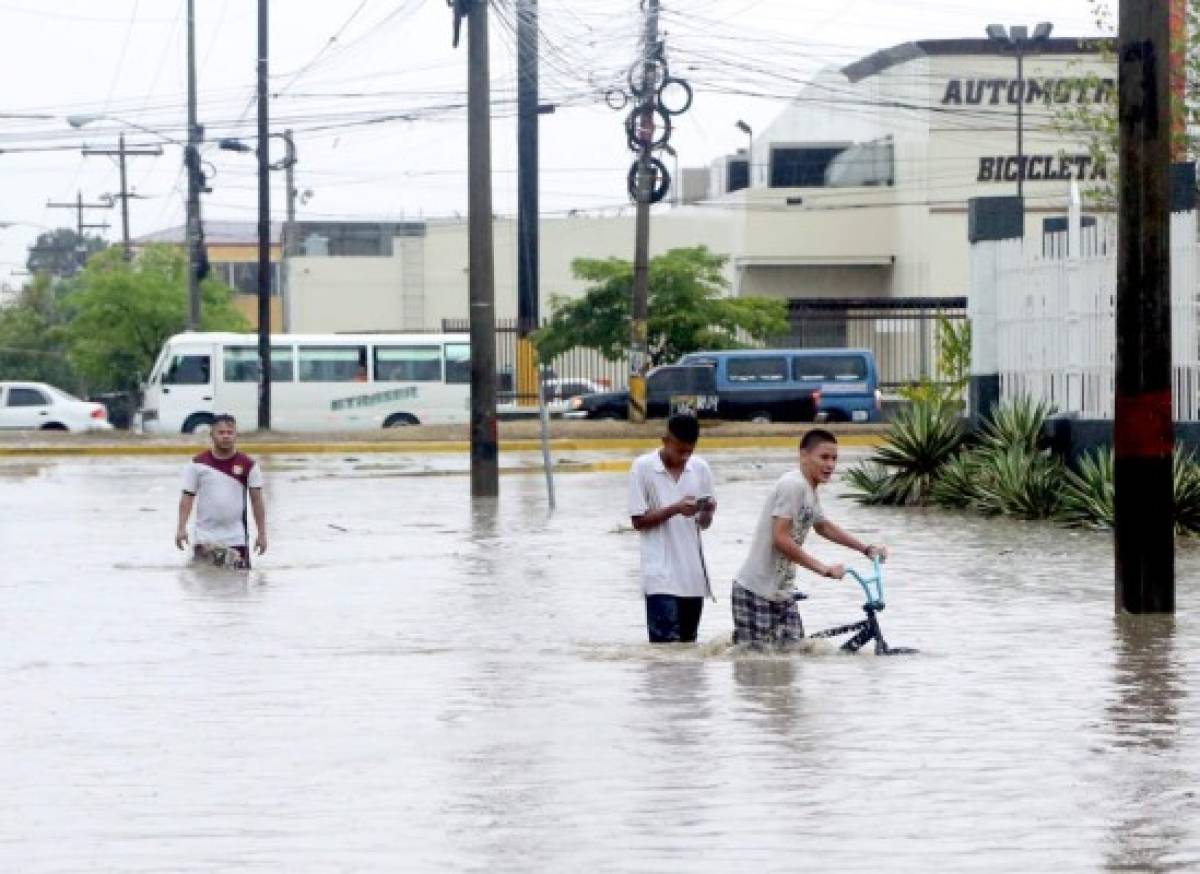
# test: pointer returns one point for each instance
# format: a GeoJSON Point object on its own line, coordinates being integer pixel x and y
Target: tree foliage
{"type": "Point", "coordinates": [33, 337]}
{"type": "Point", "coordinates": [122, 312]}
{"type": "Point", "coordinates": [62, 252]}
{"type": "Point", "coordinates": [688, 309]}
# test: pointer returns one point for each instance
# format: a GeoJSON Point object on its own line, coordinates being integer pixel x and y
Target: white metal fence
{"type": "Point", "coordinates": [1056, 318]}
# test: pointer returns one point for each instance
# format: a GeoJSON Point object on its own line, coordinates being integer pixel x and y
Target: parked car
{"type": "Point", "coordinates": [794, 385]}
{"type": "Point", "coordinates": [41, 406]}
{"type": "Point", "coordinates": [668, 388]}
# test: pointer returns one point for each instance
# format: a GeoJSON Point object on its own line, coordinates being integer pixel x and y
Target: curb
{"type": "Point", "coordinates": [419, 447]}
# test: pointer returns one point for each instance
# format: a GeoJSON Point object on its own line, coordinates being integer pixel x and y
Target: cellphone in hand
{"type": "Point", "coordinates": [704, 502]}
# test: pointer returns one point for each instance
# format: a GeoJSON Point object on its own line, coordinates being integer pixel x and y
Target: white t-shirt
{"type": "Point", "coordinates": [671, 563]}
{"type": "Point", "coordinates": [767, 572]}
{"type": "Point", "coordinates": [220, 485]}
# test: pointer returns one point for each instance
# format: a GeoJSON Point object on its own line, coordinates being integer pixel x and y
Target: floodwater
{"type": "Point", "coordinates": [410, 683]}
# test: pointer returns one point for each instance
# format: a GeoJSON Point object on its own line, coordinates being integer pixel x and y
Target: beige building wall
{"type": "Point", "coordinates": [347, 294]}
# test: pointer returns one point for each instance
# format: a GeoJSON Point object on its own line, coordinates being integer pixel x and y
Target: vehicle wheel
{"type": "Point", "coordinates": [53, 426]}
{"type": "Point", "coordinates": [762, 417]}
{"type": "Point", "coordinates": [607, 417]}
{"type": "Point", "coordinates": [400, 420]}
{"type": "Point", "coordinates": [837, 416]}
{"type": "Point", "coordinates": [198, 423]}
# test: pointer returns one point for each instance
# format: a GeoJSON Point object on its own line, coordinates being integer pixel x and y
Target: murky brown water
{"type": "Point", "coordinates": [410, 684]}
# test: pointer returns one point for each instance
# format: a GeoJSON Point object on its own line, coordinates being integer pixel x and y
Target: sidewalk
{"type": "Point", "coordinates": [521, 436]}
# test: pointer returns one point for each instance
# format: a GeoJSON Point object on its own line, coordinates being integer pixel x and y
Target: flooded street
{"type": "Point", "coordinates": [408, 683]}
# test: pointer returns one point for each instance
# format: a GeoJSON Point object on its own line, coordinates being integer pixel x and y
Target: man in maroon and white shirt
{"type": "Point", "coordinates": [219, 481]}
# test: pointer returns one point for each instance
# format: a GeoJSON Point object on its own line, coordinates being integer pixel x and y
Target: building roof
{"type": "Point", "coordinates": [881, 60]}
{"type": "Point", "coordinates": [216, 233]}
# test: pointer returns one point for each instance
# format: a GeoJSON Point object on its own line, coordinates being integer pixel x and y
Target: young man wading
{"type": "Point", "coordinates": [218, 482]}
{"type": "Point", "coordinates": [670, 500]}
{"type": "Point", "coordinates": [764, 602]}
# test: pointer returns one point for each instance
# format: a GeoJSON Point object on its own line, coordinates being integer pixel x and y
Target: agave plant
{"type": "Point", "coordinates": [1019, 422]}
{"type": "Point", "coordinates": [1017, 482]}
{"type": "Point", "coordinates": [867, 479]}
{"type": "Point", "coordinates": [957, 484]}
{"type": "Point", "coordinates": [920, 441]}
{"type": "Point", "coordinates": [1186, 472]}
{"type": "Point", "coordinates": [1088, 494]}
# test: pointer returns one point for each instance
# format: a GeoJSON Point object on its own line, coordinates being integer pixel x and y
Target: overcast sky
{"type": "Point", "coordinates": [375, 93]}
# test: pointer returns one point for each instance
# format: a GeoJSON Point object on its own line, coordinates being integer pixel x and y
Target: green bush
{"type": "Point", "coordinates": [957, 484]}
{"type": "Point", "coordinates": [1020, 483]}
{"type": "Point", "coordinates": [1088, 492]}
{"type": "Point", "coordinates": [921, 439]}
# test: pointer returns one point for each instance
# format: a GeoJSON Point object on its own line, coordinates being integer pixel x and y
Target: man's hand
{"type": "Point", "coordinates": [872, 551]}
{"type": "Point", "coordinates": [835, 571]}
{"type": "Point", "coordinates": [686, 507]}
{"type": "Point", "coordinates": [260, 543]}
{"type": "Point", "coordinates": [181, 538]}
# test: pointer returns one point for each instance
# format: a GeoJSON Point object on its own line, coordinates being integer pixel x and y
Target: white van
{"type": "Point", "coordinates": [319, 382]}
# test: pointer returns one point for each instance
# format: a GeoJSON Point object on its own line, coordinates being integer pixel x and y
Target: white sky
{"type": "Point", "coordinates": [341, 65]}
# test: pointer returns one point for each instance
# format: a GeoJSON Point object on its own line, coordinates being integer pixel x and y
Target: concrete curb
{"type": "Point", "coordinates": [417, 447]}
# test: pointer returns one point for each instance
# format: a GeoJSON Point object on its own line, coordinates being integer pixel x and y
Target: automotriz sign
{"type": "Point", "coordinates": [1039, 91]}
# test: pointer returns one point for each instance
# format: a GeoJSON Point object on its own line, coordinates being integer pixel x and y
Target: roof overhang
{"type": "Point", "coordinates": [769, 261]}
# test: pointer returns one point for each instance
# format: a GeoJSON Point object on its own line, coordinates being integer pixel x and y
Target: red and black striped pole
{"type": "Point", "coordinates": [1143, 427]}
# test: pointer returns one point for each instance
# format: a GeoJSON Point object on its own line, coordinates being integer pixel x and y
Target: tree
{"type": "Point", "coordinates": [1096, 123]}
{"type": "Point", "coordinates": [688, 309]}
{"type": "Point", "coordinates": [32, 336]}
{"type": "Point", "coordinates": [122, 312]}
{"type": "Point", "coordinates": [62, 252]}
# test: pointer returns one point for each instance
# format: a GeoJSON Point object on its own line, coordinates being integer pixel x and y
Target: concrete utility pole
{"type": "Point", "coordinates": [79, 206]}
{"type": "Point", "coordinates": [1144, 431]}
{"type": "Point", "coordinates": [264, 226]}
{"type": "Point", "coordinates": [528, 382]}
{"type": "Point", "coordinates": [485, 471]}
{"type": "Point", "coordinates": [289, 232]}
{"type": "Point", "coordinates": [121, 152]}
{"type": "Point", "coordinates": [638, 341]}
{"type": "Point", "coordinates": [195, 177]}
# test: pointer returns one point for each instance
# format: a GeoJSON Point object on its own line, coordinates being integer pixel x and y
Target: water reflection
{"type": "Point", "coordinates": [768, 686]}
{"type": "Point", "coordinates": [220, 584]}
{"type": "Point", "coordinates": [1148, 778]}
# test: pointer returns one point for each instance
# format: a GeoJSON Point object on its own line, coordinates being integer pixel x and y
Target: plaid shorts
{"type": "Point", "coordinates": [758, 621]}
{"type": "Point", "coordinates": [236, 557]}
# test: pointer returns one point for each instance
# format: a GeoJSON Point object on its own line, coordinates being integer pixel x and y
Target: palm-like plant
{"type": "Point", "coordinates": [1088, 498]}
{"type": "Point", "coordinates": [957, 483]}
{"type": "Point", "coordinates": [1186, 474]}
{"type": "Point", "coordinates": [921, 440]}
{"type": "Point", "coordinates": [1017, 482]}
{"type": "Point", "coordinates": [1019, 422]}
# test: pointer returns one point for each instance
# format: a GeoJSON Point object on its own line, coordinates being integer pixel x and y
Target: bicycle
{"type": "Point", "coordinates": [866, 630]}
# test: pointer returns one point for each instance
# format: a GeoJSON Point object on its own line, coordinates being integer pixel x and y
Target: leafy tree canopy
{"type": "Point", "coordinates": [32, 336]}
{"type": "Point", "coordinates": [688, 309]}
{"type": "Point", "coordinates": [62, 252]}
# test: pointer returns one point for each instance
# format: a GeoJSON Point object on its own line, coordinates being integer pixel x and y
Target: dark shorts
{"type": "Point", "coordinates": [759, 621]}
{"type": "Point", "coordinates": [236, 557]}
{"type": "Point", "coordinates": [672, 619]}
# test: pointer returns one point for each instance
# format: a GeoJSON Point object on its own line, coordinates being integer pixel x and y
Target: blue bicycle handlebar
{"type": "Point", "coordinates": [872, 585]}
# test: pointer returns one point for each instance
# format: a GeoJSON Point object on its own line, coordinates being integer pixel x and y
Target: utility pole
{"type": "Point", "coordinates": [528, 382]}
{"type": "Point", "coordinates": [485, 471]}
{"type": "Point", "coordinates": [121, 152]}
{"type": "Point", "coordinates": [1144, 536]}
{"type": "Point", "coordinates": [638, 345]}
{"type": "Point", "coordinates": [264, 226]}
{"type": "Point", "coordinates": [195, 177]}
{"type": "Point", "coordinates": [80, 225]}
{"type": "Point", "coordinates": [289, 232]}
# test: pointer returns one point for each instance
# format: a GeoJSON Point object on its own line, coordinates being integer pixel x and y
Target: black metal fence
{"type": "Point", "coordinates": [901, 332]}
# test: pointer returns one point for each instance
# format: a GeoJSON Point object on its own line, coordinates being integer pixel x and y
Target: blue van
{"type": "Point", "coordinates": [794, 385]}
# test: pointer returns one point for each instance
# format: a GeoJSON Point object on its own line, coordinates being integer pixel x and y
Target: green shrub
{"type": "Point", "coordinates": [957, 484]}
{"type": "Point", "coordinates": [1088, 493]}
{"type": "Point", "coordinates": [1017, 423]}
{"type": "Point", "coordinates": [1020, 483]}
{"type": "Point", "coordinates": [920, 440]}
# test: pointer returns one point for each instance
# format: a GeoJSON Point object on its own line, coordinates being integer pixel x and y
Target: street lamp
{"type": "Point", "coordinates": [1019, 40]}
{"type": "Point", "coordinates": [286, 163]}
{"type": "Point", "coordinates": [749, 132]}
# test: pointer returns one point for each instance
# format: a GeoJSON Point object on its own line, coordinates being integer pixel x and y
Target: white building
{"type": "Point", "coordinates": [859, 189]}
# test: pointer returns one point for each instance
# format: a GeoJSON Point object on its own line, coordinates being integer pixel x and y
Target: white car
{"type": "Point", "coordinates": [44, 407]}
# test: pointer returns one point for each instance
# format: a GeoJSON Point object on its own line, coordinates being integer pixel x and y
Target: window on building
{"type": "Point", "coordinates": [333, 363]}
{"type": "Point", "coordinates": [458, 362]}
{"type": "Point", "coordinates": [802, 166]}
{"type": "Point", "coordinates": [754, 368]}
{"type": "Point", "coordinates": [863, 164]}
{"type": "Point", "coordinates": [738, 175]}
{"type": "Point", "coordinates": [26, 397]}
{"type": "Point", "coordinates": [242, 276]}
{"type": "Point", "coordinates": [408, 364]}
{"type": "Point", "coordinates": [188, 370]}
{"type": "Point", "coordinates": [241, 364]}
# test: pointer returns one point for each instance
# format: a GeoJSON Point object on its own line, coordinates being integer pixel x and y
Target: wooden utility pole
{"type": "Point", "coordinates": [485, 471]}
{"type": "Point", "coordinates": [638, 342]}
{"type": "Point", "coordinates": [121, 152]}
{"type": "Point", "coordinates": [528, 382]}
{"type": "Point", "coordinates": [264, 224]}
{"type": "Point", "coordinates": [195, 177]}
{"type": "Point", "coordinates": [1144, 431]}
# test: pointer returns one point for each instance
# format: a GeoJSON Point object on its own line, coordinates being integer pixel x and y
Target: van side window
{"type": "Point", "coordinates": [188, 370]}
{"type": "Point", "coordinates": [458, 363]}
{"type": "Point", "coordinates": [333, 363]}
{"type": "Point", "coordinates": [241, 364]}
{"type": "Point", "coordinates": [757, 369]}
{"type": "Point", "coordinates": [829, 368]}
{"type": "Point", "coordinates": [408, 364]}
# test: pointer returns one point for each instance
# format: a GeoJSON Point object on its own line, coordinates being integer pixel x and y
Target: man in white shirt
{"type": "Point", "coordinates": [670, 501]}
{"type": "Point", "coordinates": [764, 590]}
{"type": "Point", "coordinates": [219, 482]}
